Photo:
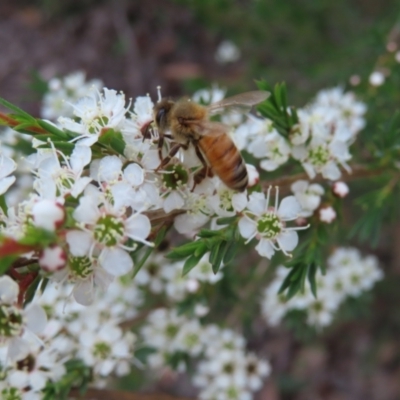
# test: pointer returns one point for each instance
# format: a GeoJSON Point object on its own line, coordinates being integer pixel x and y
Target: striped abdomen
{"type": "Point", "coordinates": [225, 160]}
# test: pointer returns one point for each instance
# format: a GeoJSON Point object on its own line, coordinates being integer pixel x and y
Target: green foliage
{"type": "Point", "coordinates": [77, 375]}
{"type": "Point", "coordinates": [308, 257]}
{"type": "Point", "coordinates": [159, 238]}
{"type": "Point", "coordinates": [30, 293]}
{"type": "Point", "coordinates": [113, 141]}
{"type": "Point", "coordinates": [378, 206]}
{"type": "Point", "coordinates": [222, 245]}
{"type": "Point", "coordinates": [5, 263]}
{"type": "Point", "coordinates": [276, 108]}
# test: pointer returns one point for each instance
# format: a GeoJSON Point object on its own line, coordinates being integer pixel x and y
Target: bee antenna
{"type": "Point", "coordinates": [159, 93]}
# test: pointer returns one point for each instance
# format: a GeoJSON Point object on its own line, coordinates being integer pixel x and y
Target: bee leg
{"type": "Point", "coordinates": [146, 130]}
{"type": "Point", "coordinates": [203, 172]}
{"type": "Point", "coordinates": [174, 149]}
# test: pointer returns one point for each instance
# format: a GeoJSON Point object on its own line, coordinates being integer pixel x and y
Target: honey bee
{"type": "Point", "coordinates": [188, 123]}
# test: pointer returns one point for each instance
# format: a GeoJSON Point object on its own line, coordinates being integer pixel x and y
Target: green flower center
{"type": "Point", "coordinates": [318, 306]}
{"type": "Point", "coordinates": [171, 330]}
{"type": "Point", "coordinates": [175, 177]}
{"type": "Point", "coordinates": [11, 321]}
{"type": "Point", "coordinates": [232, 393]}
{"type": "Point", "coordinates": [109, 231]}
{"type": "Point", "coordinates": [102, 350]}
{"type": "Point", "coordinates": [226, 200]}
{"type": "Point", "coordinates": [228, 368]}
{"type": "Point", "coordinates": [191, 340]}
{"type": "Point", "coordinates": [269, 226]}
{"type": "Point", "coordinates": [319, 156]}
{"type": "Point", "coordinates": [205, 267]}
{"type": "Point", "coordinates": [81, 267]}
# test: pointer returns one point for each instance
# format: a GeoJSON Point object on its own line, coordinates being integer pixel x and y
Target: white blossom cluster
{"type": "Point", "coordinates": [320, 141]}
{"type": "Point", "coordinates": [348, 274]}
{"type": "Point", "coordinates": [159, 276]}
{"type": "Point", "coordinates": [64, 92]}
{"type": "Point", "coordinates": [37, 340]}
{"type": "Point", "coordinates": [225, 370]}
{"type": "Point", "coordinates": [26, 365]}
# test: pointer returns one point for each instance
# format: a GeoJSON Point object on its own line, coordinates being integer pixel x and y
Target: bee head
{"type": "Point", "coordinates": [161, 113]}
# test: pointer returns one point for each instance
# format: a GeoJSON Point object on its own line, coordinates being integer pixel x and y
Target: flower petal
{"type": "Point", "coordinates": [79, 242]}
{"type": "Point", "coordinates": [9, 290]}
{"type": "Point", "coordinates": [81, 156]}
{"type": "Point", "coordinates": [116, 261]}
{"type": "Point", "coordinates": [137, 227]}
{"type": "Point", "coordinates": [289, 208]}
{"type": "Point", "coordinates": [174, 201]}
{"type": "Point", "coordinates": [84, 292]}
{"type": "Point", "coordinates": [247, 227]}
{"type": "Point", "coordinates": [134, 174]}
{"type": "Point", "coordinates": [256, 203]}
{"type": "Point", "coordinates": [265, 248]}
{"type": "Point", "coordinates": [239, 201]}
{"type": "Point", "coordinates": [288, 240]}
{"type": "Point", "coordinates": [35, 317]}
{"type": "Point", "coordinates": [5, 183]}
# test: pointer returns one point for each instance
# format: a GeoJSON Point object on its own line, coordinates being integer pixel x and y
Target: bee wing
{"type": "Point", "coordinates": [211, 128]}
{"type": "Point", "coordinates": [247, 99]}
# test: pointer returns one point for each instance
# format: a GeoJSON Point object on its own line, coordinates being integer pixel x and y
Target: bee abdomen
{"type": "Point", "coordinates": [225, 160]}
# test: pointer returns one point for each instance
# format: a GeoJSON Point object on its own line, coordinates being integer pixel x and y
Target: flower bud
{"type": "Point", "coordinates": [340, 189]}
{"type": "Point", "coordinates": [53, 258]}
{"type": "Point", "coordinates": [327, 214]}
{"type": "Point", "coordinates": [254, 176]}
{"type": "Point", "coordinates": [48, 214]}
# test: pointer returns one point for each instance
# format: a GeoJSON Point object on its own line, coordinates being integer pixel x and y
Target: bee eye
{"type": "Point", "coordinates": [160, 117]}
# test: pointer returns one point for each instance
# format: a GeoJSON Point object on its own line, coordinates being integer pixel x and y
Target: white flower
{"type": "Point", "coordinates": [36, 369]}
{"type": "Point", "coordinates": [188, 338]}
{"type": "Point", "coordinates": [308, 195]}
{"type": "Point", "coordinates": [322, 156]}
{"type": "Point", "coordinates": [56, 179]}
{"type": "Point", "coordinates": [82, 269]}
{"type": "Point", "coordinates": [197, 213]}
{"type": "Point", "coordinates": [271, 147]}
{"type": "Point", "coordinates": [107, 349]}
{"type": "Point", "coordinates": [256, 370]}
{"type": "Point", "coordinates": [268, 223]}
{"type": "Point", "coordinates": [109, 228]}
{"type": "Point", "coordinates": [274, 306]}
{"type": "Point", "coordinates": [96, 114]}
{"type": "Point", "coordinates": [18, 326]}
{"type": "Point", "coordinates": [226, 202]}
{"type": "Point", "coordinates": [139, 121]}
{"type": "Point", "coordinates": [161, 329]}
